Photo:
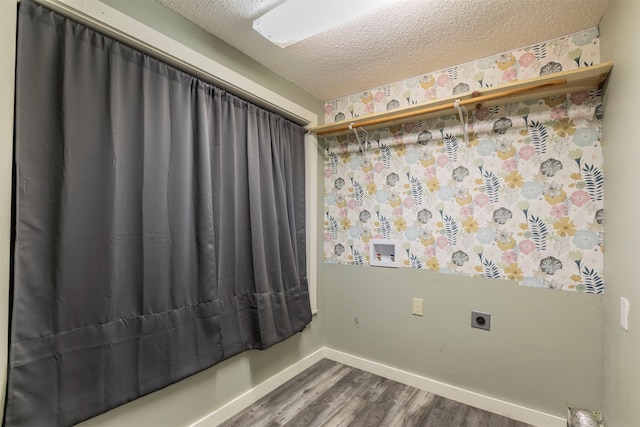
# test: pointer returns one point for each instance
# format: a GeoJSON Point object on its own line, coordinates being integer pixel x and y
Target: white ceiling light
{"type": "Point", "coordinates": [295, 20]}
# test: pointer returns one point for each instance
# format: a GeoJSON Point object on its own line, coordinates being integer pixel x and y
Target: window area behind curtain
{"type": "Point", "coordinates": [160, 225]}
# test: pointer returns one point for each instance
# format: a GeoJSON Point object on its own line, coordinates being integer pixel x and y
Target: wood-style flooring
{"type": "Point", "coordinates": [332, 394]}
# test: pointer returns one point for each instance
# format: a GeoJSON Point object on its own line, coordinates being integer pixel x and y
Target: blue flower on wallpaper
{"type": "Point", "coordinates": [392, 179]}
{"type": "Point", "coordinates": [411, 233]}
{"type": "Point", "coordinates": [486, 147]}
{"type": "Point", "coordinates": [355, 163]}
{"type": "Point", "coordinates": [329, 199]}
{"type": "Point", "coordinates": [382, 196]}
{"type": "Point", "coordinates": [486, 236]}
{"type": "Point", "coordinates": [585, 239]}
{"type": "Point", "coordinates": [585, 37]}
{"type": "Point", "coordinates": [532, 190]}
{"type": "Point", "coordinates": [446, 193]}
{"type": "Point", "coordinates": [355, 231]}
{"type": "Point", "coordinates": [412, 156]}
{"type": "Point", "coordinates": [532, 282]}
{"type": "Point", "coordinates": [585, 137]}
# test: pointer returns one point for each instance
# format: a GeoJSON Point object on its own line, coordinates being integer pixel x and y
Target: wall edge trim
{"type": "Point", "coordinates": [468, 397]}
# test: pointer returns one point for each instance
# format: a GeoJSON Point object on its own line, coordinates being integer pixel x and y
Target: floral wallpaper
{"type": "Point", "coordinates": [523, 200]}
{"type": "Point", "coordinates": [565, 53]}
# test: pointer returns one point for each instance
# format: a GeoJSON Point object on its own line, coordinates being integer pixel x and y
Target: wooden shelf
{"type": "Point", "coordinates": [536, 88]}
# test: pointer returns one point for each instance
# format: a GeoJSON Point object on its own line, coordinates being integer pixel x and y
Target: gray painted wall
{"type": "Point", "coordinates": [543, 350]}
{"type": "Point", "coordinates": [620, 42]}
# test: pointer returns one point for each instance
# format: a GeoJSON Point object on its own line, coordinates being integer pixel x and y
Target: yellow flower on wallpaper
{"type": "Point", "coordinates": [513, 272]}
{"type": "Point", "coordinates": [371, 187]}
{"type": "Point", "coordinates": [432, 264]}
{"type": "Point", "coordinates": [400, 150]}
{"type": "Point", "coordinates": [366, 97]}
{"type": "Point", "coordinates": [470, 225]}
{"type": "Point", "coordinates": [565, 227]}
{"type": "Point", "coordinates": [565, 127]}
{"type": "Point", "coordinates": [400, 224]}
{"type": "Point", "coordinates": [576, 278]}
{"type": "Point", "coordinates": [345, 223]}
{"type": "Point", "coordinates": [554, 101]}
{"type": "Point", "coordinates": [430, 161]}
{"type": "Point", "coordinates": [505, 240]}
{"type": "Point", "coordinates": [463, 199]}
{"type": "Point", "coordinates": [514, 179]}
{"type": "Point", "coordinates": [395, 200]}
{"type": "Point", "coordinates": [427, 239]}
{"type": "Point", "coordinates": [506, 61]}
{"type": "Point", "coordinates": [433, 184]}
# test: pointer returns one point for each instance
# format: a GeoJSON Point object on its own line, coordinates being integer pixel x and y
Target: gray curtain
{"type": "Point", "coordinates": [160, 225]}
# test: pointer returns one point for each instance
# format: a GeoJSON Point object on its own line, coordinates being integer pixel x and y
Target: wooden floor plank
{"type": "Point", "coordinates": [330, 394]}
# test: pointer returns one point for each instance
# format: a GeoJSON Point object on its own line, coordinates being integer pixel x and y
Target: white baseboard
{"type": "Point", "coordinates": [481, 401]}
{"type": "Point", "coordinates": [256, 393]}
{"type": "Point", "coordinates": [487, 403]}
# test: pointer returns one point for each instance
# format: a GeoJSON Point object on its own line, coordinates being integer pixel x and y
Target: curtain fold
{"type": "Point", "coordinates": [160, 225]}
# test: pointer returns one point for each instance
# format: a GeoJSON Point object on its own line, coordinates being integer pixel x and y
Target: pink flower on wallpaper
{"type": "Point", "coordinates": [527, 59]}
{"type": "Point", "coordinates": [466, 211]}
{"type": "Point", "coordinates": [481, 199]}
{"type": "Point", "coordinates": [442, 160]}
{"type": "Point", "coordinates": [342, 212]}
{"type": "Point", "coordinates": [378, 236]}
{"type": "Point", "coordinates": [578, 98]}
{"type": "Point", "coordinates": [327, 237]}
{"type": "Point", "coordinates": [397, 212]}
{"type": "Point", "coordinates": [430, 93]}
{"type": "Point", "coordinates": [442, 242]}
{"type": "Point", "coordinates": [430, 251]}
{"type": "Point", "coordinates": [408, 127]}
{"type": "Point", "coordinates": [327, 172]}
{"type": "Point", "coordinates": [379, 96]}
{"type": "Point", "coordinates": [443, 79]}
{"type": "Point", "coordinates": [527, 152]}
{"type": "Point", "coordinates": [368, 108]}
{"type": "Point", "coordinates": [509, 75]}
{"type": "Point", "coordinates": [379, 167]}
{"type": "Point", "coordinates": [580, 197]}
{"type": "Point", "coordinates": [482, 113]}
{"type": "Point", "coordinates": [328, 108]}
{"type": "Point", "coordinates": [509, 165]}
{"type": "Point", "coordinates": [526, 247]}
{"type": "Point", "coordinates": [558, 211]}
{"type": "Point", "coordinates": [408, 202]}
{"type": "Point", "coordinates": [353, 204]}
{"type": "Point", "coordinates": [509, 257]}
{"type": "Point", "coordinates": [559, 112]}
{"type": "Point", "coordinates": [430, 172]}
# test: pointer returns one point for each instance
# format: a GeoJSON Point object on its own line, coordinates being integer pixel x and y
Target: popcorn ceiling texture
{"type": "Point", "coordinates": [400, 41]}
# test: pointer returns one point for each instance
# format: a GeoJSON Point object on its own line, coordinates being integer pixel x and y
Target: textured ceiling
{"type": "Point", "coordinates": [402, 40]}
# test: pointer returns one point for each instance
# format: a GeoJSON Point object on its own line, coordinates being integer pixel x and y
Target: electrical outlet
{"type": "Point", "coordinates": [417, 307]}
{"type": "Point", "coordinates": [481, 320]}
